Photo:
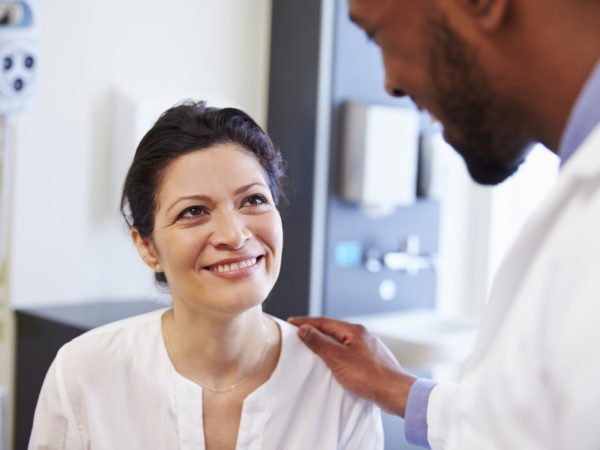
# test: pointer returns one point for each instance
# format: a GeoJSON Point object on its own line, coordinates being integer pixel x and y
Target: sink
{"type": "Point", "coordinates": [422, 339]}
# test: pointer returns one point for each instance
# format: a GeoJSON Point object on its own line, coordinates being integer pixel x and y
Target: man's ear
{"type": "Point", "coordinates": [146, 249]}
{"type": "Point", "coordinates": [490, 15]}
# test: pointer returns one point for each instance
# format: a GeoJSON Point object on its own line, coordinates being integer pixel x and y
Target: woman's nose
{"type": "Point", "coordinates": [230, 230]}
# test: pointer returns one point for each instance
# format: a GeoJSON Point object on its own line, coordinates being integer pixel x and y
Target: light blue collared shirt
{"type": "Point", "coordinates": [415, 416]}
{"type": "Point", "coordinates": [584, 117]}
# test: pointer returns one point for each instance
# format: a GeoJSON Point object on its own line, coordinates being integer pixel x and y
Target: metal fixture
{"type": "Point", "coordinates": [410, 260]}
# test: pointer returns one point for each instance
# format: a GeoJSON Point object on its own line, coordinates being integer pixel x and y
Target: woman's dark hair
{"type": "Point", "coordinates": [182, 129]}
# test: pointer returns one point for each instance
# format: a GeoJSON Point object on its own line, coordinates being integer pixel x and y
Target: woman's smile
{"type": "Point", "coordinates": [233, 268]}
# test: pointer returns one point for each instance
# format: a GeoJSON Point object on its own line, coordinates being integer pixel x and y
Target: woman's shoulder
{"type": "Point", "coordinates": [297, 359]}
{"type": "Point", "coordinates": [115, 340]}
{"type": "Point", "coordinates": [299, 362]}
{"type": "Point", "coordinates": [302, 379]}
{"type": "Point", "coordinates": [291, 343]}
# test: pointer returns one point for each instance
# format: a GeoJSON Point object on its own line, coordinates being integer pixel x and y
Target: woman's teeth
{"type": "Point", "coordinates": [233, 266]}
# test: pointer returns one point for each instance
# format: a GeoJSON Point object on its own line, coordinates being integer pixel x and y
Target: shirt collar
{"type": "Point", "coordinates": [584, 116]}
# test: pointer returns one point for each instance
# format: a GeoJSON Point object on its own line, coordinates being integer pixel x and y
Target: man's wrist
{"type": "Point", "coordinates": [394, 392]}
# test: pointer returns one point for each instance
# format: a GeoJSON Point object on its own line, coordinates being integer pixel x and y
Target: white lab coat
{"type": "Point", "coordinates": [532, 381]}
{"type": "Point", "coordinates": [115, 388]}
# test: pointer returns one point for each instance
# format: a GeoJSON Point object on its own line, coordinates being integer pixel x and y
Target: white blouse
{"type": "Point", "coordinates": [114, 387]}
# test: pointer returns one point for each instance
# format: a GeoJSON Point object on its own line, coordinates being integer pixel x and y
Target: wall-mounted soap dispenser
{"type": "Point", "coordinates": [379, 155]}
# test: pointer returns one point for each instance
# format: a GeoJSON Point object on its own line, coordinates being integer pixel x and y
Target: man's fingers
{"type": "Point", "coordinates": [317, 322]}
{"type": "Point", "coordinates": [318, 342]}
{"type": "Point", "coordinates": [336, 328]}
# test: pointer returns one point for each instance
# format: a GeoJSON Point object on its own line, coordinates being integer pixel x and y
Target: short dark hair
{"type": "Point", "coordinates": [184, 128]}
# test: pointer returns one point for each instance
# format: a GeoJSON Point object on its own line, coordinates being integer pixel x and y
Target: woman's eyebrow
{"type": "Point", "coordinates": [188, 197]}
{"type": "Point", "coordinates": [247, 187]}
{"type": "Point", "coordinates": [205, 198]}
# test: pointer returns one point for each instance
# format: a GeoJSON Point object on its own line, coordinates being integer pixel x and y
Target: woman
{"type": "Point", "coordinates": [213, 371]}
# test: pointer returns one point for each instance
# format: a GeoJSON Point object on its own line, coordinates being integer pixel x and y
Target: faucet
{"type": "Point", "coordinates": [410, 260]}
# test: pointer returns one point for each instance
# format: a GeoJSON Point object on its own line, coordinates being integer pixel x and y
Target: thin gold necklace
{"type": "Point", "coordinates": [216, 390]}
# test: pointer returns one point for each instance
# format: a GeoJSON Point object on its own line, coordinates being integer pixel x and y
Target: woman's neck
{"type": "Point", "coordinates": [216, 350]}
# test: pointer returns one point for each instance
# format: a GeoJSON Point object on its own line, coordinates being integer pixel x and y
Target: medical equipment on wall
{"type": "Point", "coordinates": [18, 69]}
{"type": "Point", "coordinates": [19, 61]}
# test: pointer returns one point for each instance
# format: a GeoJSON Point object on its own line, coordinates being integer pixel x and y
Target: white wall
{"type": "Point", "coordinates": [69, 244]}
{"type": "Point", "coordinates": [465, 206]}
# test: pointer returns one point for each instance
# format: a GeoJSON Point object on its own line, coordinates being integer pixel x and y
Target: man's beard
{"type": "Point", "coordinates": [484, 128]}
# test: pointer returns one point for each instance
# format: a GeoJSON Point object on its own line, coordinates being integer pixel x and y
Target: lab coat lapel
{"type": "Point", "coordinates": [583, 167]}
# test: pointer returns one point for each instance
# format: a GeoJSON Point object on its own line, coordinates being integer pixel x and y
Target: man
{"type": "Point", "coordinates": [501, 75]}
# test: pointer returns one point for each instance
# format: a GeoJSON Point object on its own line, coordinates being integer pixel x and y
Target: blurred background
{"type": "Point", "coordinates": [384, 225]}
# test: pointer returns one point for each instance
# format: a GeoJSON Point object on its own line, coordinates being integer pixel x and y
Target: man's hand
{"type": "Point", "coordinates": [358, 360]}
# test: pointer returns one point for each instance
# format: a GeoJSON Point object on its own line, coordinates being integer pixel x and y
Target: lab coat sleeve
{"type": "Point", "coordinates": [362, 427]}
{"type": "Point", "coordinates": [54, 424]}
{"type": "Point", "coordinates": [439, 414]}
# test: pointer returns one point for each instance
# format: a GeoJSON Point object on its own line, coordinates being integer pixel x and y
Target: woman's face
{"type": "Point", "coordinates": [217, 233]}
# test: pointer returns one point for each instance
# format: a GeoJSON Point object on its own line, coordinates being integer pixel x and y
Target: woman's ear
{"type": "Point", "coordinates": [490, 15]}
{"type": "Point", "coordinates": [146, 249]}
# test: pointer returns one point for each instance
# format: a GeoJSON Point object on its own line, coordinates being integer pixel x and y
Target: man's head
{"type": "Point", "coordinates": [481, 124]}
{"type": "Point", "coordinates": [464, 62]}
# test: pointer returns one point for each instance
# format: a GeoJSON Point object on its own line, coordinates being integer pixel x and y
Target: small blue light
{"type": "Point", "coordinates": [348, 254]}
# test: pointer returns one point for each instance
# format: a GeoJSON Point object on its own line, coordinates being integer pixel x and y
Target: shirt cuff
{"type": "Point", "coordinates": [415, 418]}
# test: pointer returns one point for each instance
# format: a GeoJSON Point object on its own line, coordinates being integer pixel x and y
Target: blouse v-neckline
{"type": "Point", "coordinates": [185, 399]}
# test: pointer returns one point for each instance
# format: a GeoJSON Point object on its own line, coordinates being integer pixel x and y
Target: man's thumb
{"type": "Point", "coordinates": [313, 338]}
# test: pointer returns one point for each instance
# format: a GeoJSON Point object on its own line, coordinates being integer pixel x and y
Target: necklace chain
{"type": "Point", "coordinates": [226, 388]}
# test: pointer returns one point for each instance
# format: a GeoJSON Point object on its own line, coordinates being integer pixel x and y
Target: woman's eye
{"type": "Point", "coordinates": [255, 200]}
{"type": "Point", "coordinates": [191, 212]}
